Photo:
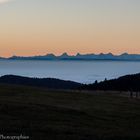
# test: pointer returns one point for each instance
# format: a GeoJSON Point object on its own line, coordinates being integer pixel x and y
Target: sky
{"type": "Point", "coordinates": [38, 27]}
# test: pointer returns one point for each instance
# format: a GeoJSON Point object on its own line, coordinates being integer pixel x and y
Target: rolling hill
{"type": "Point", "coordinates": [124, 83]}
{"type": "Point", "coordinates": [49, 83]}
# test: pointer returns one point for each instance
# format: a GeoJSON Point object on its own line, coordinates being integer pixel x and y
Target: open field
{"type": "Point", "coordinates": [68, 115]}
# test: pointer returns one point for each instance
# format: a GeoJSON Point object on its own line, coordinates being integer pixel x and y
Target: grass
{"type": "Point", "coordinates": [68, 115]}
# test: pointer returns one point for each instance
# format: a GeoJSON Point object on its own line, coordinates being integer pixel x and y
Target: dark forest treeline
{"type": "Point", "coordinates": [50, 83]}
{"type": "Point", "coordinates": [124, 83]}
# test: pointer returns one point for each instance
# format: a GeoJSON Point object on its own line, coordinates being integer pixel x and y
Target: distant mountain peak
{"type": "Point", "coordinates": [110, 54]}
{"type": "Point", "coordinates": [78, 56]}
{"type": "Point", "coordinates": [50, 55]}
{"type": "Point", "coordinates": [65, 54]}
{"type": "Point", "coordinates": [125, 54]}
{"type": "Point", "coordinates": [101, 54]}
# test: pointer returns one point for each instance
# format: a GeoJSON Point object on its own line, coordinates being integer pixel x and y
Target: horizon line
{"type": "Point", "coordinates": [65, 53]}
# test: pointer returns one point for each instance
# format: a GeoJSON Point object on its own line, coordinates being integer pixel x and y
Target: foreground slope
{"type": "Point", "coordinates": [68, 115]}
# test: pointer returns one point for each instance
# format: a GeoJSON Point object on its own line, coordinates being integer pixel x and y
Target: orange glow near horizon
{"type": "Point", "coordinates": [72, 43]}
{"type": "Point", "coordinates": [74, 27]}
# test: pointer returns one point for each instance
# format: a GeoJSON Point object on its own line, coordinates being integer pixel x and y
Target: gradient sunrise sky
{"type": "Point", "coordinates": [33, 27]}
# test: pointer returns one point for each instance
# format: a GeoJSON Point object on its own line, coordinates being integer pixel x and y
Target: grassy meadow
{"type": "Point", "coordinates": [68, 115]}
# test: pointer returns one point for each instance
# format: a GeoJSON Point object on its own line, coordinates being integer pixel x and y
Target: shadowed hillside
{"type": "Point", "coordinates": [50, 83]}
{"type": "Point", "coordinates": [124, 83]}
